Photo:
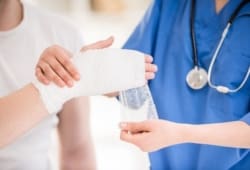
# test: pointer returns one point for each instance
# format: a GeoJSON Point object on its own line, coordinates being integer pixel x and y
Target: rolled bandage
{"type": "Point", "coordinates": [102, 71]}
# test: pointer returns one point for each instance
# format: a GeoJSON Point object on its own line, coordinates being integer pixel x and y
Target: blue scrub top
{"type": "Point", "coordinates": [164, 33]}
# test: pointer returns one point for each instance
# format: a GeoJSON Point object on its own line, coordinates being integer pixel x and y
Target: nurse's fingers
{"type": "Point", "coordinates": [126, 136]}
{"type": "Point", "coordinates": [41, 77]}
{"type": "Point", "coordinates": [135, 127]}
{"type": "Point", "coordinates": [151, 67]}
{"type": "Point", "coordinates": [150, 70]}
{"type": "Point", "coordinates": [135, 138]}
{"type": "Point", "coordinates": [149, 76]}
{"type": "Point", "coordinates": [100, 44]}
{"type": "Point", "coordinates": [148, 59]}
{"type": "Point", "coordinates": [50, 74]}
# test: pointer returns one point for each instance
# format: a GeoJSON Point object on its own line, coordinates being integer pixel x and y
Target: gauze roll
{"type": "Point", "coordinates": [102, 71]}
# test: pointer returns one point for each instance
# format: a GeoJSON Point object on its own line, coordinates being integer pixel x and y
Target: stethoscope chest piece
{"type": "Point", "coordinates": [196, 78]}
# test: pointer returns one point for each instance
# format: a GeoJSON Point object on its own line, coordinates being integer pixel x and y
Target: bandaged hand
{"type": "Point", "coordinates": [55, 65]}
{"type": "Point", "coordinates": [102, 71]}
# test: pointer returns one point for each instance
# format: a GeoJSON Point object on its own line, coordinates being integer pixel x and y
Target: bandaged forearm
{"type": "Point", "coordinates": [102, 71]}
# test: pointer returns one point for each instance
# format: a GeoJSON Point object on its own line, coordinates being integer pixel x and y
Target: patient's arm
{"type": "Point", "coordinates": [77, 149]}
{"type": "Point", "coordinates": [19, 112]}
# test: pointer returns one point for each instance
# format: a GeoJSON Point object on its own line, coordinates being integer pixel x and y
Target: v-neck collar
{"type": "Point", "coordinates": [227, 10]}
{"type": "Point", "coordinates": [210, 16]}
{"type": "Point", "coordinates": [221, 10]}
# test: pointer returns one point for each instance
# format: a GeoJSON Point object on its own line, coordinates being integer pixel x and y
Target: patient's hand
{"type": "Point", "coordinates": [56, 66]}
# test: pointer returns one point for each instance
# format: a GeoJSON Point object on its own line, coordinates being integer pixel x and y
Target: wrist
{"type": "Point", "coordinates": [184, 132]}
{"type": "Point", "coordinates": [175, 133]}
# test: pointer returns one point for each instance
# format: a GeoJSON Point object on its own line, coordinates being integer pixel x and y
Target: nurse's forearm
{"type": "Point", "coordinates": [19, 112]}
{"type": "Point", "coordinates": [229, 134]}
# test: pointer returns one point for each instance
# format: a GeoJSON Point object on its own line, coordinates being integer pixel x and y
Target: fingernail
{"type": "Point", "coordinates": [155, 67]}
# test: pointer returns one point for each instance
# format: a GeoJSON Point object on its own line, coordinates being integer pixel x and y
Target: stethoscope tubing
{"type": "Point", "coordinates": [220, 88]}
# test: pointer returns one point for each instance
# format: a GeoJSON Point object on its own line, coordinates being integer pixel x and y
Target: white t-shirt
{"type": "Point", "coordinates": [20, 49]}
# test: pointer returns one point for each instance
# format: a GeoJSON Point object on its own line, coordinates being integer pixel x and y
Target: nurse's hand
{"type": "Point", "coordinates": [55, 65]}
{"type": "Point", "coordinates": [151, 135]}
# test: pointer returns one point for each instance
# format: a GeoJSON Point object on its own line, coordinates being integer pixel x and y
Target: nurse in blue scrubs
{"type": "Point", "coordinates": [202, 88]}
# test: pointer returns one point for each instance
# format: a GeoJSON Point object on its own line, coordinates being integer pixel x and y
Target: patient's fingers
{"type": "Point", "coordinates": [100, 44]}
{"type": "Point", "coordinates": [60, 70]}
{"type": "Point", "coordinates": [55, 65]}
{"type": "Point", "coordinates": [50, 74]}
{"type": "Point", "coordinates": [41, 77]}
{"type": "Point", "coordinates": [63, 57]}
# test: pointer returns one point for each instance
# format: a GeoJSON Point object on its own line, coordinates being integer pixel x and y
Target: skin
{"type": "Point", "coordinates": [219, 4]}
{"type": "Point", "coordinates": [75, 137]}
{"type": "Point", "coordinates": [10, 14]}
{"type": "Point", "coordinates": [167, 133]}
{"type": "Point", "coordinates": [152, 135]}
{"type": "Point", "coordinates": [32, 110]}
{"type": "Point", "coordinates": [13, 125]}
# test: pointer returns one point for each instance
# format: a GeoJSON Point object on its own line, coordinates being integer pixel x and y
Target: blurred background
{"type": "Point", "coordinates": [99, 19]}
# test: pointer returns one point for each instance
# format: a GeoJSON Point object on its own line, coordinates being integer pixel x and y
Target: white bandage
{"type": "Point", "coordinates": [102, 71]}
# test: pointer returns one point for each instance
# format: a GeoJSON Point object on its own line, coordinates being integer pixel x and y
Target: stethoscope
{"type": "Point", "coordinates": [197, 77]}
